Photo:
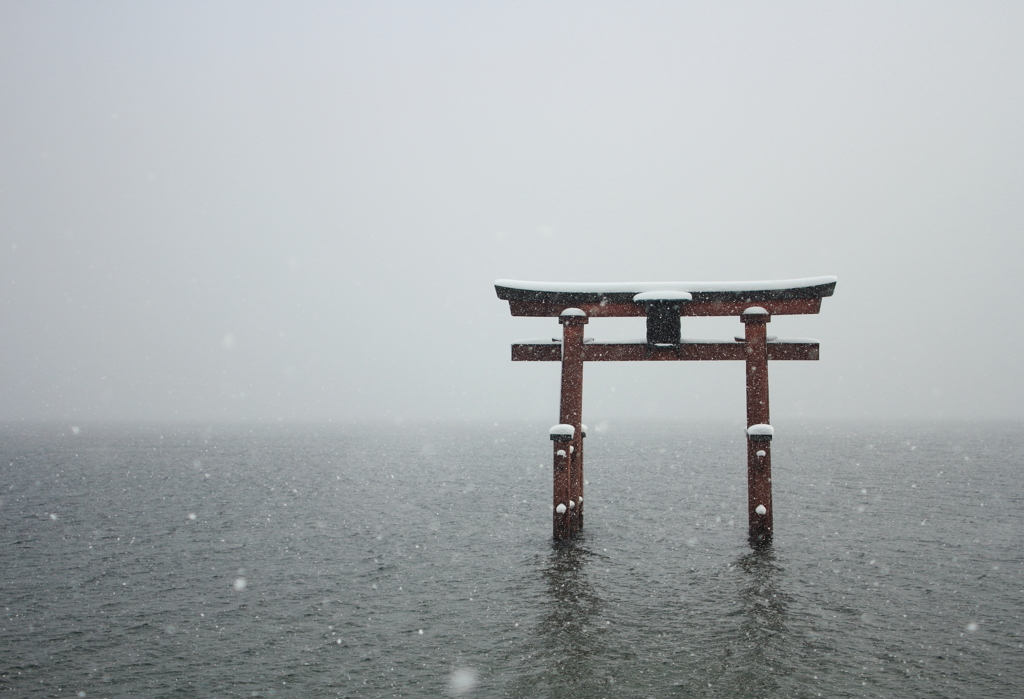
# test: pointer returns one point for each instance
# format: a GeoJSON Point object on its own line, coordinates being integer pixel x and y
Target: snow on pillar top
{"type": "Point", "coordinates": [761, 433]}
{"type": "Point", "coordinates": [562, 433]}
{"type": "Point", "coordinates": [755, 314]}
{"type": "Point", "coordinates": [572, 316]}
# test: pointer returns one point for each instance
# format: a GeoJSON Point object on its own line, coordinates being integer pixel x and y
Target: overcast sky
{"type": "Point", "coordinates": [296, 211]}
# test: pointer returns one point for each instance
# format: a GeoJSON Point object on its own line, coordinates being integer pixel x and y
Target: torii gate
{"type": "Point", "coordinates": [663, 304]}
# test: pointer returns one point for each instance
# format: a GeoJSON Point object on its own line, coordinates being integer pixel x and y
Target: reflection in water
{"type": "Point", "coordinates": [681, 648]}
{"type": "Point", "coordinates": [759, 659]}
{"type": "Point", "coordinates": [744, 654]}
{"type": "Point", "coordinates": [567, 627]}
{"type": "Point", "coordinates": [763, 603]}
{"type": "Point", "coordinates": [568, 639]}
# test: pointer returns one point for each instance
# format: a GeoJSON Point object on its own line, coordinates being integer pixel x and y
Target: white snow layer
{"type": "Point", "coordinates": [560, 509]}
{"type": "Point", "coordinates": [761, 509]}
{"type": "Point", "coordinates": [665, 295]}
{"type": "Point", "coordinates": [573, 312]}
{"type": "Point", "coordinates": [761, 430]}
{"type": "Point", "coordinates": [762, 453]}
{"type": "Point", "coordinates": [563, 429]}
{"type": "Point", "coordinates": [641, 287]}
{"type": "Point", "coordinates": [755, 311]}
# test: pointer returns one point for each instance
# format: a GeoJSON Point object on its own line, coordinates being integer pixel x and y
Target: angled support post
{"type": "Point", "coordinates": [759, 432]}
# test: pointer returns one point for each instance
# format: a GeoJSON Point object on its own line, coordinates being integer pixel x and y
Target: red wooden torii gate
{"type": "Point", "coordinates": [663, 304]}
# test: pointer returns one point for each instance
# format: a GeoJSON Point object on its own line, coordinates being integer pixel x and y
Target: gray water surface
{"type": "Point", "coordinates": [408, 561]}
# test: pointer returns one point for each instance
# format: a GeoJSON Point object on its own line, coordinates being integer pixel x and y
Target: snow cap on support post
{"type": "Point", "coordinates": [562, 433]}
{"type": "Point", "coordinates": [760, 433]}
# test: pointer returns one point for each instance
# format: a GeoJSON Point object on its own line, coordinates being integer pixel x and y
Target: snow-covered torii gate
{"type": "Point", "coordinates": [663, 304]}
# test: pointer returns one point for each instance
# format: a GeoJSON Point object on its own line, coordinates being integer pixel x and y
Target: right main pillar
{"type": "Point", "coordinates": [759, 431]}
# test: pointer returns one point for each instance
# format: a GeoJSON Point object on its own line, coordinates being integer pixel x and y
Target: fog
{"type": "Point", "coordinates": [270, 211]}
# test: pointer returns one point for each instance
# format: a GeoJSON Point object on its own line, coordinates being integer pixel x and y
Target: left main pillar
{"type": "Point", "coordinates": [568, 483]}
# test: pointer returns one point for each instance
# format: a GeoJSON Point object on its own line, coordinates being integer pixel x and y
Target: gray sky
{"type": "Point", "coordinates": [263, 211]}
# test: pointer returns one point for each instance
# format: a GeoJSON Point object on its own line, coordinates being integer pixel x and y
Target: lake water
{"type": "Point", "coordinates": [410, 560]}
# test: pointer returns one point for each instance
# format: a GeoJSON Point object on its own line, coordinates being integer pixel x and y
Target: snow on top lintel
{"type": "Point", "coordinates": [642, 287]}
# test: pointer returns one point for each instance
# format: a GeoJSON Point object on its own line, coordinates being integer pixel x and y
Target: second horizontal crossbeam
{"type": "Point", "coordinates": [687, 350]}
